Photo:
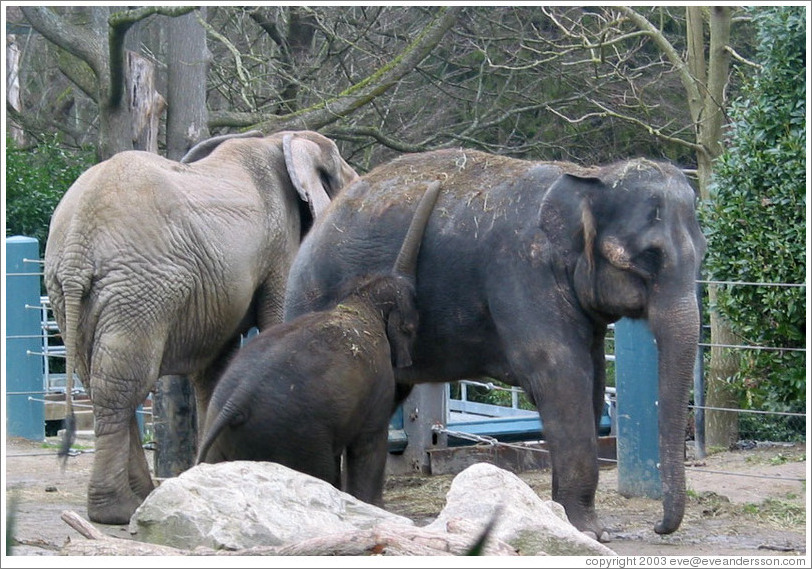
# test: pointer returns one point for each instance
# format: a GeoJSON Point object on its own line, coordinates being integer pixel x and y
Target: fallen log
{"type": "Point", "coordinates": [384, 539]}
{"type": "Point", "coordinates": [99, 543]}
{"type": "Point", "coordinates": [393, 539]}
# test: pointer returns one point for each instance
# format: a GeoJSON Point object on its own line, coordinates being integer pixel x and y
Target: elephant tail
{"type": "Point", "coordinates": [73, 298]}
{"type": "Point", "coordinates": [406, 262]}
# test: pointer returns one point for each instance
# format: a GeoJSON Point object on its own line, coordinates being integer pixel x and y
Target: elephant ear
{"type": "Point", "coordinates": [305, 162]}
{"type": "Point", "coordinates": [567, 216]}
{"type": "Point", "coordinates": [400, 340]}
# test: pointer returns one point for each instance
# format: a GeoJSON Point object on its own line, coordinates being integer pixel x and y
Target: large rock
{"type": "Point", "coordinates": [526, 522]}
{"type": "Point", "coordinates": [242, 504]}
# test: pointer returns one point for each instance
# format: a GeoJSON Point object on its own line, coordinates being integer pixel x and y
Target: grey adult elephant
{"type": "Point", "coordinates": [521, 270]}
{"type": "Point", "coordinates": [155, 267]}
{"type": "Point", "coordinates": [303, 392]}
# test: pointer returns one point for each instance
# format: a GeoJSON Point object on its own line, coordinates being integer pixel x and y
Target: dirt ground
{"type": "Point", "coordinates": [745, 502]}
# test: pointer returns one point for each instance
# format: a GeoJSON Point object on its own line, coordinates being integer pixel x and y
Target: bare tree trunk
{"type": "Point", "coordinates": [98, 44]}
{"type": "Point", "coordinates": [188, 61]}
{"type": "Point", "coordinates": [13, 94]}
{"type": "Point", "coordinates": [721, 427]}
{"type": "Point", "coordinates": [145, 104]}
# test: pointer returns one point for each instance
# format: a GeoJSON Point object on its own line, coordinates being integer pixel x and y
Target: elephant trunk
{"type": "Point", "coordinates": [676, 329]}
{"type": "Point", "coordinates": [406, 262]}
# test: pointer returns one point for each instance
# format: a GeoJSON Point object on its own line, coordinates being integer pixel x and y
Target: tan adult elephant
{"type": "Point", "coordinates": [155, 267]}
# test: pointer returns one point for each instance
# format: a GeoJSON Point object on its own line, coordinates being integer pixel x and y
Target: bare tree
{"type": "Point", "coordinates": [187, 63]}
{"type": "Point", "coordinates": [337, 92]}
{"type": "Point", "coordinates": [704, 78]}
{"type": "Point", "coordinates": [587, 84]}
{"type": "Point", "coordinates": [13, 93]}
{"type": "Point", "coordinates": [98, 65]}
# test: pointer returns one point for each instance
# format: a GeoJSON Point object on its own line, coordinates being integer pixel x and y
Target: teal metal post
{"type": "Point", "coordinates": [24, 374]}
{"type": "Point", "coordinates": [638, 446]}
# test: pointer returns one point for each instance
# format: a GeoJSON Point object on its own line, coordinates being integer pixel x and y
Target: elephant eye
{"type": "Point", "coordinates": [654, 210]}
{"type": "Point", "coordinates": [648, 261]}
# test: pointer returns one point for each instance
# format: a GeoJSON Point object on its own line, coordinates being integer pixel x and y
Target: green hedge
{"type": "Point", "coordinates": [36, 179]}
{"type": "Point", "coordinates": [756, 218]}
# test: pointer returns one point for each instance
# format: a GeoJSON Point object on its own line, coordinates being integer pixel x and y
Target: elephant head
{"type": "Point", "coordinates": [155, 268]}
{"type": "Point", "coordinates": [316, 169]}
{"type": "Point", "coordinates": [632, 238]}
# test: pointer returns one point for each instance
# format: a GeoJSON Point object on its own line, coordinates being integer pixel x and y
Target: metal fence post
{"type": "Point", "coordinates": [24, 380]}
{"type": "Point", "coordinates": [638, 447]}
{"type": "Point", "coordinates": [423, 408]}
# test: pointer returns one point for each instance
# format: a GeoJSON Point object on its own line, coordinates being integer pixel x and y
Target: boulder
{"type": "Point", "coordinates": [531, 525]}
{"type": "Point", "coordinates": [242, 504]}
{"type": "Point", "coordinates": [245, 506]}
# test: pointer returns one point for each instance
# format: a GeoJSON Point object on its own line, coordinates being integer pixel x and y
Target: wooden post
{"type": "Point", "coordinates": [174, 425]}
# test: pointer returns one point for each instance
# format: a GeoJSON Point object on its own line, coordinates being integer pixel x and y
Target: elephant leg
{"type": "Point", "coordinates": [138, 468]}
{"type": "Point", "coordinates": [110, 499]}
{"type": "Point", "coordinates": [366, 466]}
{"type": "Point", "coordinates": [598, 355]}
{"type": "Point", "coordinates": [318, 461]}
{"type": "Point", "coordinates": [551, 357]}
{"type": "Point", "coordinates": [567, 413]}
{"type": "Point", "coordinates": [119, 381]}
{"type": "Point", "coordinates": [271, 294]}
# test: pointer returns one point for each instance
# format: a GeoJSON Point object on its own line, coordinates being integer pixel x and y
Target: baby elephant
{"type": "Point", "coordinates": [302, 392]}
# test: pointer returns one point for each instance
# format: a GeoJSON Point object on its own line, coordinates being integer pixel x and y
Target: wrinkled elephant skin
{"type": "Point", "coordinates": [155, 267]}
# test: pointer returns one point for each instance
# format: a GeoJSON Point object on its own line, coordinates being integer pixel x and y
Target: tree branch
{"type": "Point", "coordinates": [689, 82]}
{"type": "Point", "coordinates": [343, 104]}
{"type": "Point", "coordinates": [77, 71]}
{"type": "Point", "coordinates": [241, 72]}
{"type": "Point", "coordinates": [119, 23]}
{"type": "Point", "coordinates": [742, 59]}
{"type": "Point", "coordinates": [651, 130]}
{"type": "Point", "coordinates": [357, 132]}
{"type": "Point", "coordinates": [74, 39]}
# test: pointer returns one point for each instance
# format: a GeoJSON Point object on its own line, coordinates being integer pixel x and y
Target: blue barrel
{"type": "Point", "coordinates": [638, 445]}
{"type": "Point", "coordinates": [25, 409]}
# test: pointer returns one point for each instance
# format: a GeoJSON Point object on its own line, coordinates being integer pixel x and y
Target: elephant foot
{"type": "Point", "coordinates": [588, 524]}
{"type": "Point", "coordinates": [603, 538]}
{"type": "Point", "coordinates": [112, 509]}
